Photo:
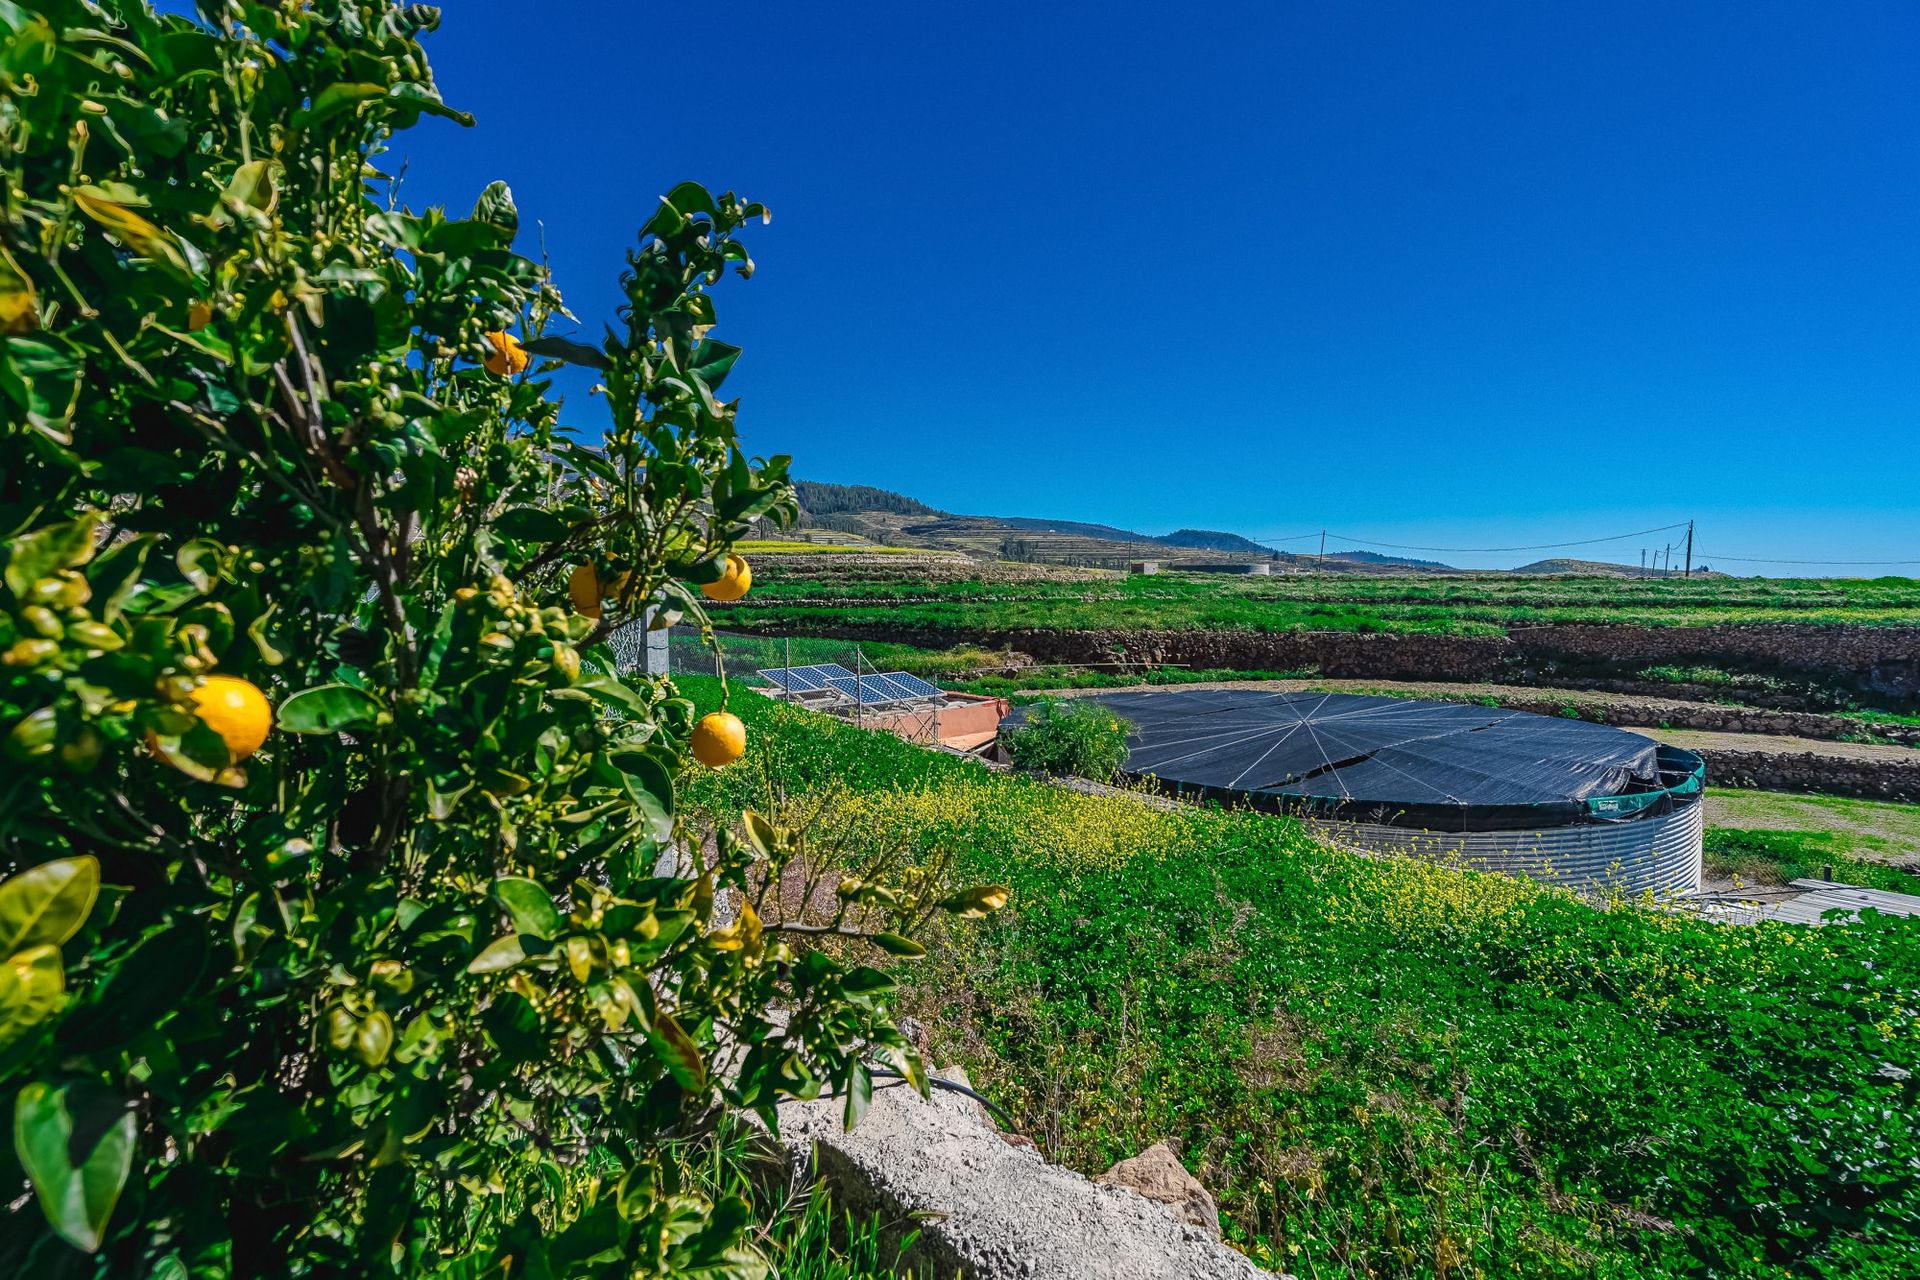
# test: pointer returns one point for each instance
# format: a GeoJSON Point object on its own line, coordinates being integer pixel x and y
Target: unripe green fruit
{"type": "Point", "coordinates": [42, 621]}
{"type": "Point", "coordinates": [29, 653]}
{"type": "Point", "coordinates": [33, 734]}
{"type": "Point", "coordinates": [95, 635]}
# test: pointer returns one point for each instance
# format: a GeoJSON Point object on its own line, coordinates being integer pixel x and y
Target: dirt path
{"type": "Point", "coordinates": [1696, 740]}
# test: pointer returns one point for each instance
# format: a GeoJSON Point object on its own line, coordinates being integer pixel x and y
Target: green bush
{"type": "Point", "coordinates": [346, 923]}
{"type": "Point", "coordinates": [1070, 736]}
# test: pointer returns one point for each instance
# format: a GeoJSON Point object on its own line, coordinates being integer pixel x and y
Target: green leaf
{"type": "Point", "coordinates": [495, 206]}
{"type": "Point", "coordinates": [253, 189]}
{"type": "Point", "coordinates": [678, 1052]}
{"type": "Point", "coordinates": [859, 1094]}
{"type": "Point", "coordinates": [866, 981]}
{"type": "Point", "coordinates": [501, 953]}
{"type": "Point", "coordinates": [199, 562]}
{"type": "Point", "coordinates": [334, 99]}
{"type": "Point", "coordinates": [41, 372]}
{"type": "Point", "coordinates": [572, 352]}
{"type": "Point", "coordinates": [690, 198]}
{"type": "Point", "coordinates": [373, 1039]}
{"type": "Point", "coordinates": [712, 361]}
{"type": "Point", "coordinates": [649, 784]}
{"type": "Point", "coordinates": [78, 1200]}
{"type": "Point", "coordinates": [257, 632]}
{"type": "Point", "coordinates": [760, 833]}
{"type": "Point", "coordinates": [531, 524]}
{"type": "Point", "coordinates": [19, 310]}
{"type": "Point", "coordinates": [328, 708]}
{"type": "Point", "coordinates": [980, 900]}
{"type": "Point", "coordinates": [32, 988]}
{"type": "Point", "coordinates": [613, 692]}
{"type": "Point", "coordinates": [131, 229]}
{"type": "Point", "coordinates": [47, 904]}
{"type": "Point", "coordinates": [116, 572]}
{"type": "Point", "coordinates": [895, 945]}
{"type": "Point", "coordinates": [45, 551]}
{"type": "Point", "coordinates": [530, 906]}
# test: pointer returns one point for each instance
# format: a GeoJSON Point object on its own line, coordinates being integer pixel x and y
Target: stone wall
{"type": "Point", "coordinates": [1883, 661]}
{"type": "Point", "coordinates": [1826, 775]}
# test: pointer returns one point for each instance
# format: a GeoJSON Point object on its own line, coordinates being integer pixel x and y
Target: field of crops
{"type": "Point", "coordinates": [1446, 605]}
{"type": "Point", "coordinates": [1388, 1069]}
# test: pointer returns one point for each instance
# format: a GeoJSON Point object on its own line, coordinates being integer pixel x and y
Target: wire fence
{"type": "Point", "coordinates": [742, 657]}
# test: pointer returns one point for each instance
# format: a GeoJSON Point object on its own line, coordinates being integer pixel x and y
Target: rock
{"type": "Point", "coordinates": [1157, 1174]}
{"type": "Point", "coordinates": [984, 1209]}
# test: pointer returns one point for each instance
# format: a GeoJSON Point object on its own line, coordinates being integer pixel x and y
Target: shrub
{"type": "Point", "coordinates": [1070, 736]}
{"type": "Point", "coordinates": [344, 921]}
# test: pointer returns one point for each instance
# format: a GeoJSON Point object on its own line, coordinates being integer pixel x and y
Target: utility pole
{"type": "Point", "coordinates": [1323, 551]}
{"type": "Point", "coordinates": [1689, 548]}
{"type": "Point", "coordinates": [1643, 562]}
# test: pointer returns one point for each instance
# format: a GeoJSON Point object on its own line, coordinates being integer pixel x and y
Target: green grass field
{"type": "Point", "coordinates": [1770, 837]}
{"type": "Point", "coordinates": [1462, 606]}
{"type": "Point", "coordinates": [1389, 1069]}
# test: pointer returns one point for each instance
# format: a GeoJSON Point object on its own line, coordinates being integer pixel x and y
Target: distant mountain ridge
{"type": "Point", "coordinates": [1375, 557]}
{"type": "Point", "coordinates": [894, 519]}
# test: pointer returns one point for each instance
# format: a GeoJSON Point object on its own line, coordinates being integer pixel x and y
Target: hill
{"type": "Point", "coordinates": [863, 512]}
{"type": "Point", "coordinates": [1396, 562]}
{"type": "Point", "coordinates": [821, 499]}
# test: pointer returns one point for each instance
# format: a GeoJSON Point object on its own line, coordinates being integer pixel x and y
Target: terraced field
{"type": "Point", "coordinates": [893, 594]}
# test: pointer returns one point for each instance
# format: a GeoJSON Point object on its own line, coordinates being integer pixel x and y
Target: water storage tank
{"type": "Point", "coordinates": [1582, 805]}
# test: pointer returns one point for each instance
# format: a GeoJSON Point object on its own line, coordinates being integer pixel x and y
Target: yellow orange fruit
{"type": "Point", "coordinates": [236, 710]}
{"type": "Point", "coordinates": [719, 739]}
{"type": "Point", "coordinates": [583, 588]}
{"type": "Point", "coordinates": [508, 357]}
{"type": "Point", "coordinates": [735, 583]}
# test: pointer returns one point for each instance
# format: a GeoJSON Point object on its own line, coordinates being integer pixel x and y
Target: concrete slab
{"type": "Point", "coordinates": [987, 1210]}
{"type": "Point", "coordinates": [1807, 902]}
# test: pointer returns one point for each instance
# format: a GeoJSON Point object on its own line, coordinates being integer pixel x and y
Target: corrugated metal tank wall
{"type": "Point", "coordinates": [1661, 854]}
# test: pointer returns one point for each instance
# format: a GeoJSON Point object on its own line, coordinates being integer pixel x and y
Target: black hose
{"type": "Point", "coordinates": [1006, 1121]}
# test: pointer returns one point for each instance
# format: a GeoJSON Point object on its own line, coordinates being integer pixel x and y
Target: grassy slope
{"type": "Point", "coordinates": [1390, 1069]}
{"type": "Point", "coordinates": [1464, 606]}
{"type": "Point", "coordinates": [1767, 837]}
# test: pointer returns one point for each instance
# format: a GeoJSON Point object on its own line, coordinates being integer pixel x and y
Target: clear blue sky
{"type": "Point", "coordinates": [1474, 274]}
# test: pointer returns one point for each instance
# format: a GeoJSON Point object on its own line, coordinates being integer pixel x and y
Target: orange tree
{"type": "Point", "coordinates": [342, 927]}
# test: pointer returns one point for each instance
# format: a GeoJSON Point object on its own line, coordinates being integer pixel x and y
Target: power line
{"type": "Point", "coordinates": [1705, 559]}
{"type": "Point", "coordinates": [1697, 557]}
{"type": "Point", "coordinates": [1541, 546]}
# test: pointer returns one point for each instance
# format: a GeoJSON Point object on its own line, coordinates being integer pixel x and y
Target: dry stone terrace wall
{"type": "Point", "coordinates": [1823, 774]}
{"type": "Point", "coordinates": [1882, 660]}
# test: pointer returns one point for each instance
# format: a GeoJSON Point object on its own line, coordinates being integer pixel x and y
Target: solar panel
{"type": "Point", "coordinates": [912, 684]}
{"type": "Point", "coordinates": [870, 690]}
{"type": "Point", "coordinates": [806, 679]}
